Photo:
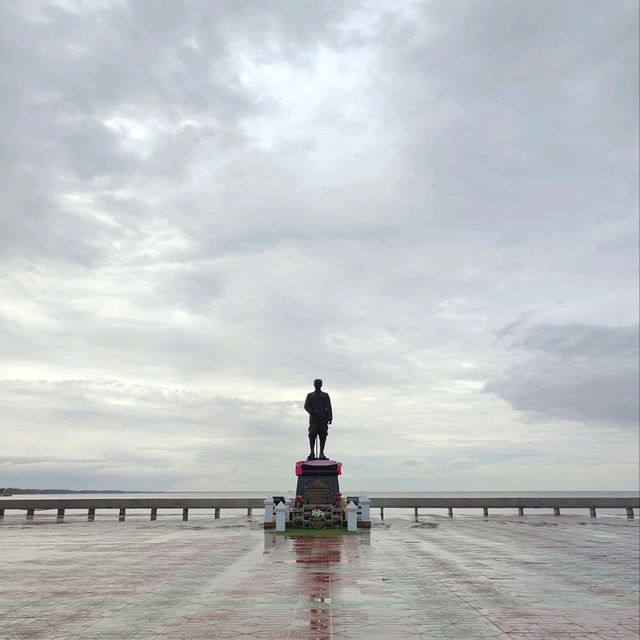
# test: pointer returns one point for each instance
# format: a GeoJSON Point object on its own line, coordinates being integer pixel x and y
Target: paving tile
{"type": "Point", "coordinates": [457, 579]}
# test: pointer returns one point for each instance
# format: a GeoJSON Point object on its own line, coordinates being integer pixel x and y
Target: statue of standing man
{"type": "Point", "coordinates": [318, 406]}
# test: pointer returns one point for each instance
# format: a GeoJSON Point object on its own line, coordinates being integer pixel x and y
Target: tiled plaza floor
{"type": "Point", "coordinates": [525, 578]}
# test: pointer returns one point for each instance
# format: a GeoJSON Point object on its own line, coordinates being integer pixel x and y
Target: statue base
{"type": "Point", "coordinates": [318, 489]}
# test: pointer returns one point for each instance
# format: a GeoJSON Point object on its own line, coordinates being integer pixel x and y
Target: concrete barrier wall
{"type": "Point", "coordinates": [462, 502]}
{"type": "Point", "coordinates": [609, 502]}
{"type": "Point", "coordinates": [131, 503]}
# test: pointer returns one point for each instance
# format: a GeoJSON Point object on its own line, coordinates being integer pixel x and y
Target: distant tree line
{"type": "Point", "coordinates": [14, 491]}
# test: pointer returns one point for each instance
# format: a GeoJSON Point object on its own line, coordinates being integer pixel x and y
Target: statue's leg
{"type": "Point", "coordinates": [322, 433]}
{"type": "Point", "coordinates": [323, 439]}
{"type": "Point", "coordinates": [313, 434]}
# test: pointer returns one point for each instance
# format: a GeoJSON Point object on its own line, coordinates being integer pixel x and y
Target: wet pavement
{"type": "Point", "coordinates": [531, 577]}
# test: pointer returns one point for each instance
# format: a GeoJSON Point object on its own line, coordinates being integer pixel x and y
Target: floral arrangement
{"type": "Point", "coordinates": [317, 519]}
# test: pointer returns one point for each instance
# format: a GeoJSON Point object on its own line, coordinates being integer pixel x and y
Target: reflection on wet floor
{"type": "Point", "coordinates": [315, 580]}
{"type": "Point", "coordinates": [463, 579]}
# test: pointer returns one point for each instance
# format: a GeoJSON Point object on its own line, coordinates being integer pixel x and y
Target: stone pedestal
{"type": "Point", "coordinates": [352, 513]}
{"type": "Point", "coordinates": [365, 509]}
{"type": "Point", "coordinates": [318, 482]}
{"type": "Point", "coordinates": [269, 514]}
{"type": "Point", "coordinates": [281, 516]}
{"type": "Point", "coordinates": [318, 487]}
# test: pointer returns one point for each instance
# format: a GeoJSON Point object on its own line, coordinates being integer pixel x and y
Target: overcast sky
{"type": "Point", "coordinates": [433, 206]}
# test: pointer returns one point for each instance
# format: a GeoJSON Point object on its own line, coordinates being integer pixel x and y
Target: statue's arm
{"type": "Point", "coordinates": [329, 410]}
{"type": "Point", "coordinates": [307, 405]}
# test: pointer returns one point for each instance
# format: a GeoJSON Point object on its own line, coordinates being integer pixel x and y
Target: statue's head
{"type": "Point", "coordinates": [317, 383]}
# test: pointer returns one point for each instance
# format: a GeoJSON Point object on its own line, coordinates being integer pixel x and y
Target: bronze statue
{"type": "Point", "coordinates": [318, 406]}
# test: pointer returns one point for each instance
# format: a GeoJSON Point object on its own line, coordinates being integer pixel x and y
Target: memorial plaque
{"type": "Point", "coordinates": [317, 491]}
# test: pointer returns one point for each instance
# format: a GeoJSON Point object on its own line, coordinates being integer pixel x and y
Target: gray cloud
{"type": "Point", "coordinates": [512, 105]}
{"type": "Point", "coordinates": [206, 207]}
{"type": "Point", "coordinates": [577, 372]}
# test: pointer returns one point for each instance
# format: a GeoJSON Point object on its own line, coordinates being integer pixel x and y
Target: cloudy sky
{"type": "Point", "coordinates": [431, 205]}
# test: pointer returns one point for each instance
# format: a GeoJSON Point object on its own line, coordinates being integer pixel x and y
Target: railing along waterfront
{"type": "Point", "coordinates": [30, 504]}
